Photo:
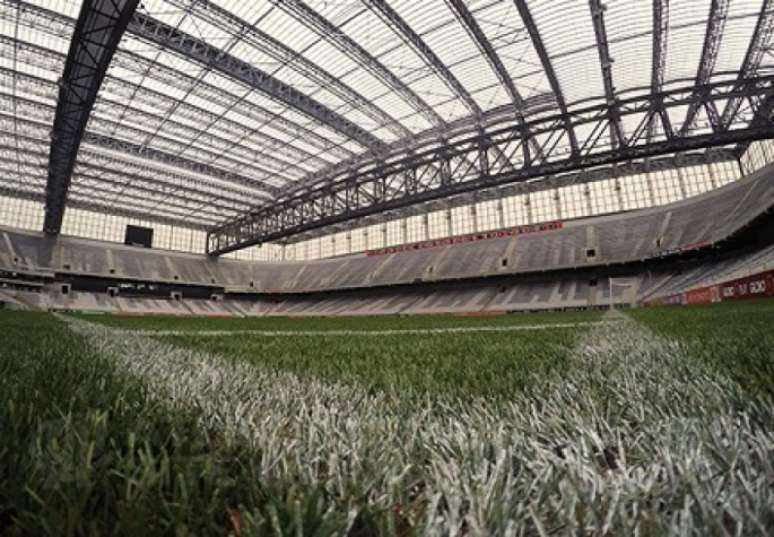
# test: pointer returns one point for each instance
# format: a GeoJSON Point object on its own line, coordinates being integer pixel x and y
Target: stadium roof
{"type": "Point", "coordinates": [257, 120]}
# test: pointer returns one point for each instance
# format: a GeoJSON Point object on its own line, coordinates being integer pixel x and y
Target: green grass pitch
{"type": "Point", "coordinates": [644, 422]}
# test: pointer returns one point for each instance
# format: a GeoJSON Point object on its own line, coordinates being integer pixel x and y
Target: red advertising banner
{"type": "Point", "coordinates": [473, 237]}
{"type": "Point", "coordinates": [750, 287]}
{"type": "Point", "coordinates": [698, 296]}
{"type": "Point", "coordinates": [756, 286]}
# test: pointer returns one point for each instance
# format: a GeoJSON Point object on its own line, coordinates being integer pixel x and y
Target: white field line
{"type": "Point", "coordinates": [637, 436]}
{"type": "Point", "coordinates": [390, 332]}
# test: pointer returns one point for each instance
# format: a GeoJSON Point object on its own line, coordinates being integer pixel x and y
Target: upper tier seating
{"type": "Point", "coordinates": [618, 238]}
{"type": "Point", "coordinates": [529, 293]}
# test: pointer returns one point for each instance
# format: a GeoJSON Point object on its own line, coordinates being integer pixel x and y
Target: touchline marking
{"type": "Point", "coordinates": [394, 332]}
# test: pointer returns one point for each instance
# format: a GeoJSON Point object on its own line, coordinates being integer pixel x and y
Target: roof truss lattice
{"type": "Point", "coordinates": [210, 113]}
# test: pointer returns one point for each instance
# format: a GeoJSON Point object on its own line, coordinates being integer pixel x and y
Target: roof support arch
{"type": "Point", "coordinates": [658, 62]}
{"type": "Point", "coordinates": [606, 63]}
{"type": "Point", "coordinates": [709, 54]}
{"type": "Point", "coordinates": [253, 36]}
{"type": "Point", "coordinates": [540, 49]}
{"type": "Point", "coordinates": [764, 29]}
{"type": "Point", "coordinates": [532, 148]}
{"type": "Point", "coordinates": [101, 23]}
{"type": "Point", "coordinates": [191, 47]}
{"type": "Point", "coordinates": [332, 33]}
{"type": "Point", "coordinates": [392, 19]}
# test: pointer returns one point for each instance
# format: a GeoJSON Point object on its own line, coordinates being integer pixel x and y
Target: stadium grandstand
{"type": "Point", "coordinates": [217, 167]}
{"type": "Point", "coordinates": [340, 147]}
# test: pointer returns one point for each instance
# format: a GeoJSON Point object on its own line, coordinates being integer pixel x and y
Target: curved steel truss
{"type": "Point", "coordinates": [100, 26]}
{"type": "Point", "coordinates": [261, 120]}
{"type": "Point", "coordinates": [462, 165]}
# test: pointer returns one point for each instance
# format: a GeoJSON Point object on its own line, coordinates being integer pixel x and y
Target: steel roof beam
{"type": "Point", "coordinates": [760, 41]}
{"type": "Point", "coordinates": [392, 19]}
{"type": "Point", "coordinates": [56, 24]}
{"type": "Point", "coordinates": [548, 68]}
{"type": "Point", "coordinates": [471, 26]}
{"type": "Point", "coordinates": [709, 54]}
{"type": "Point", "coordinates": [394, 184]}
{"type": "Point", "coordinates": [329, 31]}
{"type": "Point", "coordinates": [99, 28]}
{"type": "Point", "coordinates": [658, 60]}
{"type": "Point", "coordinates": [606, 64]}
{"type": "Point", "coordinates": [478, 36]}
{"type": "Point", "coordinates": [250, 34]}
{"type": "Point", "coordinates": [173, 39]}
{"type": "Point", "coordinates": [41, 58]}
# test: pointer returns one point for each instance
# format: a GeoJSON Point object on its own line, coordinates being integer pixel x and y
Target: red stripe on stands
{"type": "Point", "coordinates": [473, 237]}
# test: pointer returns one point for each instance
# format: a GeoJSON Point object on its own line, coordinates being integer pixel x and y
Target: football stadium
{"type": "Point", "coordinates": [387, 268]}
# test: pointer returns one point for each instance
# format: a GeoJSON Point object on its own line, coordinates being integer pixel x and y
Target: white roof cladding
{"type": "Point", "coordinates": [344, 55]}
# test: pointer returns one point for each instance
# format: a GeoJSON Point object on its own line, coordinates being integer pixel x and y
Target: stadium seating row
{"type": "Point", "coordinates": [527, 296]}
{"type": "Point", "coordinates": [604, 240]}
{"type": "Point", "coordinates": [534, 293]}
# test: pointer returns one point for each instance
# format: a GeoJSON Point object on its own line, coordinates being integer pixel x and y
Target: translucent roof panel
{"type": "Point", "coordinates": [740, 25]}
{"type": "Point", "coordinates": [505, 30]}
{"type": "Point", "coordinates": [443, 33]}
{"type": "Point", "coordinates": [252, 99]}
{"type": "Point", "coordinates": [685, 38]}
{"type": "Point", "coordinates": [630, 42]}
{"type": "Point", "coordinates": [571, 46]}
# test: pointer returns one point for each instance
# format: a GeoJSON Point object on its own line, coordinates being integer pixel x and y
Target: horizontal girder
{"type": "Point", "coordinates": [580, 177]}
{"type": "Point", "coordinates": [419, 176]}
